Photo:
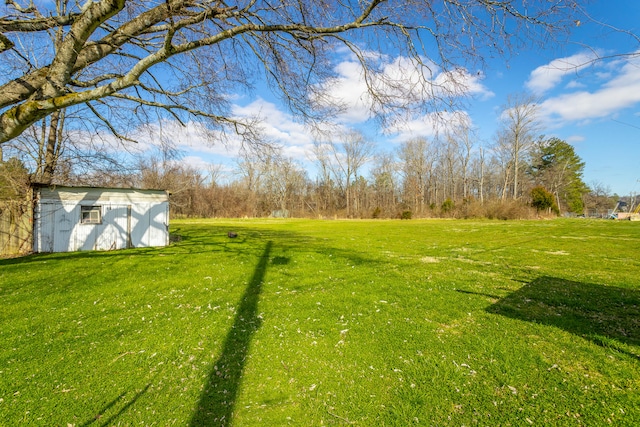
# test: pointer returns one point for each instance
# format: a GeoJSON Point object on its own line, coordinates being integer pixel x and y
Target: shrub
{"type": "Point", "coordinates": [510, 209]}
{"type": "Point", "coordinates": [406, 215]}
{"type": "Point", "coordinates": [541, 199]}
{"type": "Point", "coordinates": [376, 213]}
{"type": "Point", "coordinates": [447, 206]}
{"type": "Point", "coordinates": [497, 209]}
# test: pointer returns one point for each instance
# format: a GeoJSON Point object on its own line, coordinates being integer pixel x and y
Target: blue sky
{"type": "Point", "coordinates": [594, 105]}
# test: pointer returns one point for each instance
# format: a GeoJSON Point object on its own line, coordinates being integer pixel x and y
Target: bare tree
{"type": "Point", "coordinates": [320, 154]}
{"type": "Point", "coordinates": [450, 165]}
{"type": "Point", "coordinates": [517, 135]}
{"type": "Point", "coordinates": [41, 147]}
{"type": "Point", "coordinates": [347, 157]}
{"type": "Point", "coordinates": [182, 58]}
{"type": "Point", "coordinates": [249, 167]}
{"type": "Point", "coordinates": [384, 183]}
{"type": "Point", "coordinates": [599, 199]}
{"type": "Point", "coordinates": [465, 137]}
{"type": "Point", "coordinates": [418, 159]}
{"type": "Point", "coordinates": [282, 181]}
{"type": "Point", "coordinates": [479, 167]}
{"type": "Point", "coordinates": [502, 161]}
{"type": "Point", "coordinates": [215, 174]}
{"type": "Point", "coordinates": [57, 152]}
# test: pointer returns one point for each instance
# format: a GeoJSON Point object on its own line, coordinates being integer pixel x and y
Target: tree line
{"type": "Point", "coordinates": [452, 174]}
{"type": "Point", "coordinates": [422, 178]}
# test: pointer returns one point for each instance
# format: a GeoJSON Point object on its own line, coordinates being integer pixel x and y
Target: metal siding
{"type": "Point", "coordinates": [58, 229]}
{"type": "Point", "coordinates": [139, 224]}
{"type": "Point", "coordinates": [84, 236]}
{"type": "Point", "coordinates": [66, 217]}
{"type": "Point", "coordinates": [149, 225]}
{"type": "Point", "coordinates": [37, 228]}
{"type": "Point", "coordinates": [158, 225]}
{"type": "Point", "coordinates": [53, 227]}
{"type": "Point", "coordinates": [44, 226]}
{"type": "Point", "coordinates": [110, 234]}
{"type": "Point", "coordinates": [146, 220]}
{"type": "Point", "coordinates": [115, 235]}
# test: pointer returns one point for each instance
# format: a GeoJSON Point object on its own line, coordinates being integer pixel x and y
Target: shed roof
{"type": "Point", "coordinates": [102, 194]}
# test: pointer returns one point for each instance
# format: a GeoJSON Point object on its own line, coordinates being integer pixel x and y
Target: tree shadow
{"type": "Point", "coordinates": [218, 398]}
{"type": "Point", "coordinates": [109, 421]}
{"type": "Point", "coordinates": [462, 291]}
{"type": "Point", "coordinates": [195, 241]}
{"type": "Point", "coordinates": [606, 315]}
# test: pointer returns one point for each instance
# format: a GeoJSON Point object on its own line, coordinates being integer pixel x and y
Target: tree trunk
{"type": "Point", "coordinates": [52, 150]}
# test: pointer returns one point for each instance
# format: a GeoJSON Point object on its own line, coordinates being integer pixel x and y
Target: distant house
{"type": "Point", "coordinates": [69, 219]}
{"type": "Point", "coordinates": [65, 219]}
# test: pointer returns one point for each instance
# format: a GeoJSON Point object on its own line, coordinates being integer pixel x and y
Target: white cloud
{"type": "Point", "coordinates": [575, 138]}
{"type": "Point", "coordinates": [196, 162]}
{"type": "Point", "coordinates": [400, 82]}
{"type": "Point", "coordinates": [574, 84]}
{"type": "Point", "coordinates": [620, 92]}
{"type": "Point", "coordinates": [429, 125]}
{"type": "Point", "coordinates": [460, 82]}
{"type": "Point", "coordinates": [398, 78]}
{"type": "Point", "coordinates": [100, 141]}
{"type": "Point", "coordinates": [276, 125]}
{"type": "Point", "coordinates": [604, 75]}
{"type": "Point", "coordinates": [548, 76]}
{"type": "Point", "coordinates": [349, 90]}
{"type": "Point", "coordinates": [192, 137]}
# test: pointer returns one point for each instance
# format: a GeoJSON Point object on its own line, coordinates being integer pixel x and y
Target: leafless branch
{"type": "Point", "coordinates": [108, 49]}
{"type": "Point", "coordinates": [109, 125]}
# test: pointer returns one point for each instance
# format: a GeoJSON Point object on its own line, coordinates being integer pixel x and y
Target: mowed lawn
{"type": "Point", "coordinates": [308, 323]}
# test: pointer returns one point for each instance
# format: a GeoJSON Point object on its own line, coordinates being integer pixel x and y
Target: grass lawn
{"type": "Point", "coordinates": [298, 322]}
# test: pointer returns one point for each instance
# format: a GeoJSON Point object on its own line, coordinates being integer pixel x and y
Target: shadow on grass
{"type": "Point", "coordinates": [194, 240]}
{"type": "Point", "coordinates": [202, 239]}
{"type": "Point", "coordinates": [209, 238]}
{"type": "Point", "coordinates": [606, 315]}
{"type": "Point", "coordinates": [97, 420]}
{"type": "Point", "coordinates": [462, 291]}
{"type": "Point", "coordinates": [46, 256]}
{"type": "Point", "coordinates": [218, 398]}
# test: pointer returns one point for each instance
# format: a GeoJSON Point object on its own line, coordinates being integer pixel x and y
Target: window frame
{"type": "Point", "coordinates": [88, 212]}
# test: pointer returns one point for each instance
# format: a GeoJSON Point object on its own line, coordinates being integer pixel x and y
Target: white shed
{"type": "Point", "coordinates": [91, 218]}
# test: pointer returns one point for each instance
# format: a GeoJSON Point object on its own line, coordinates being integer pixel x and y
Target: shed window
{"type": "Point", "coordinates": [90, 215]}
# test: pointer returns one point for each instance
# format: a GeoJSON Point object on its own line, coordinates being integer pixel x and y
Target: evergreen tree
{"type": "Point", "coordinates": [542, 200]}
{"type": "Point", "coordinates": [557, 167]}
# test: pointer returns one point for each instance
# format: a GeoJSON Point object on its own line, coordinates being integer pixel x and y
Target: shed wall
{"type": "Point", "coordinates": [131, 218]}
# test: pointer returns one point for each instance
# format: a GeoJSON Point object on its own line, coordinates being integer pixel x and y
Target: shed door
{"type": "Point", "coordinates": [115, 229]}
{"type": "Point", "coordinates": [45, 222]}
{"type": "Point", "coordinates": [66, 219]}
{"type": "Point", "coordinates": [54, 227]}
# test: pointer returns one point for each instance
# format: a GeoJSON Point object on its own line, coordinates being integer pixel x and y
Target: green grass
{"type": "Point", "coordinates": [298, 322]}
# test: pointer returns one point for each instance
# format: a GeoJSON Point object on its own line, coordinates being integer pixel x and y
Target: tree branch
{"type": "Point", "coordinates": [105, 49]}
{"type": "Point", "coordinates": [37, 24]}
{"type": "Point", "coordinates": [111, 128]}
